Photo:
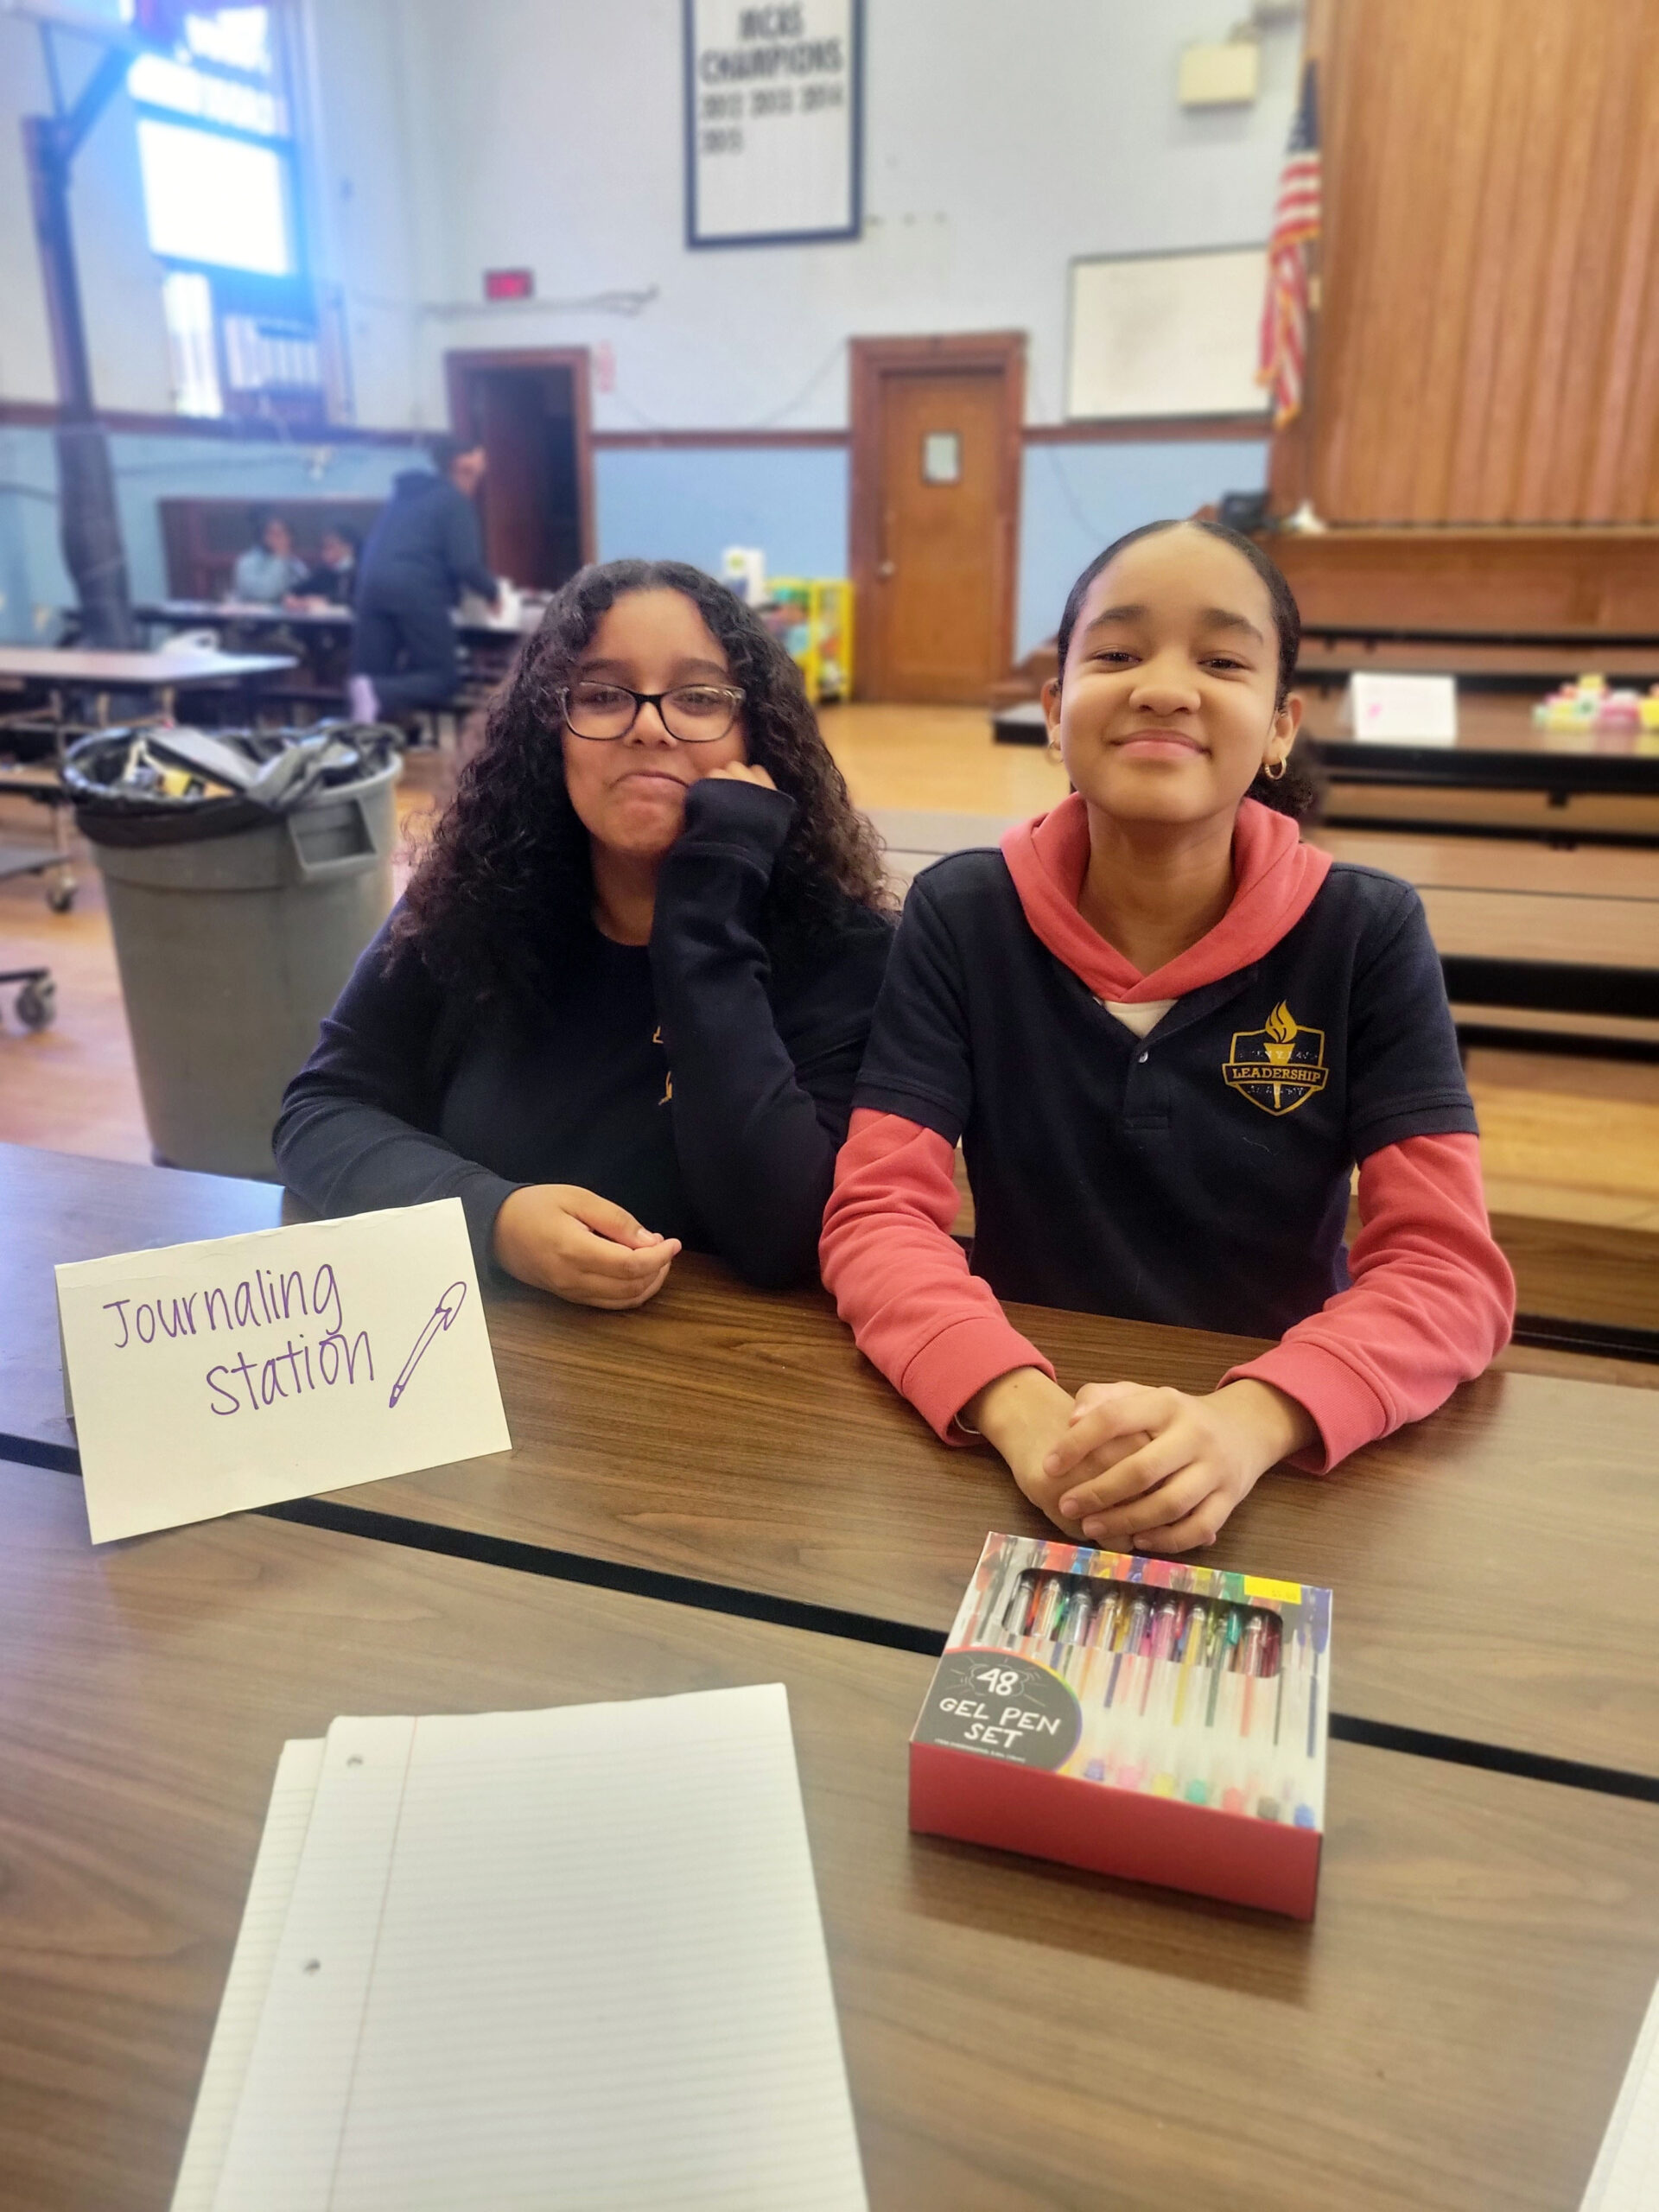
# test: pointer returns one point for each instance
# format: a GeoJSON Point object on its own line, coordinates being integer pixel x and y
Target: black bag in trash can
{"type": "Point", "coordinates": [245, 874]}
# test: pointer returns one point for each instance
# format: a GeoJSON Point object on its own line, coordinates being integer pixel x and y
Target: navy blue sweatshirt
{"type": "Point", "coordinates": [425, 544]}
{"type": "Point", "coordinates": [690, 1080]}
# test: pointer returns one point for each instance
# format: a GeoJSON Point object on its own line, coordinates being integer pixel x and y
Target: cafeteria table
{"type": "Point", "coordinates": [1447, 2036]}
{"type": "Point", "coordinates": [1494, 1565]}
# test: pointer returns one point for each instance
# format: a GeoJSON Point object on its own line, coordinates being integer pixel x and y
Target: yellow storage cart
{"type": "Point", "coordinates": [813, 616]}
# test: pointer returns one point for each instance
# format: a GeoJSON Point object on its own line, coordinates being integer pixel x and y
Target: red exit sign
{"type": "Point", "coordinates": [508, 283]}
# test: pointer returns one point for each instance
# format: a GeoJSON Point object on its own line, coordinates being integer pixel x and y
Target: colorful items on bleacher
{"type": "Point", "coordinates": [1589, 704]}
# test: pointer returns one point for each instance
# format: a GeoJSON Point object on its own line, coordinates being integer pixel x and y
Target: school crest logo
{"type": "Point", "coordinates": [1280, 1066]}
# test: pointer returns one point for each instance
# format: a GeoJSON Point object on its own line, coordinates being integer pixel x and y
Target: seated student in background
{"type": "Point", "coordinates": [622, 1004]}
{"type": "Point", "coordinates": [267, 572]}
{"type": "Point", "coordinates": [332, 579]}
{"type": "Point", "coordinates": [1165, 1030]}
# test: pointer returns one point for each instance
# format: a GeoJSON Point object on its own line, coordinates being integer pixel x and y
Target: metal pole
{"type": "Point", "coordinates": [89, 521]}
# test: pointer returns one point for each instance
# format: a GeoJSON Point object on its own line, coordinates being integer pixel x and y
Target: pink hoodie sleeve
{"type": "Point", "coordinates": [900, 1279]}
{"type": "Point", "coordinates": [1431, 1304]}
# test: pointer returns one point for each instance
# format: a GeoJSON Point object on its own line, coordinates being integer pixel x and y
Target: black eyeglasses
{"type": "Point", "coordinates": [694, 714]}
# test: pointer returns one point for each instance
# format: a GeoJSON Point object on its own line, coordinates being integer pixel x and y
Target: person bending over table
{"type": "Point", "coordinates": [1165, 1030]}
{"type": "Point", "coordinates": [622, 1004]}
{"type": "Point", "coordinates": [424, 551]}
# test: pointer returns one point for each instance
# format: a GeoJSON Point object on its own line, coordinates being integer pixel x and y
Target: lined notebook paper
{"type": "Point", "coordinates": [1626, 2177]}
{"type": "Point", "coordinates": [551, 1960]}
{"type": "Point", "coordinates": [249, 1976]}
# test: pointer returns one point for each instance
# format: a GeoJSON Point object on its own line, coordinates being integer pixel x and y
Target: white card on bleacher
{"type": "Point", "coordinates": [1393, 709]}
{"type": "Point", "coordinates": [208, 1377]}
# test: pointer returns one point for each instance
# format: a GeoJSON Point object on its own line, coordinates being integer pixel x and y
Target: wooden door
{"type": "Point", "coordinates": [530, 413]}
{"type": "Point", "coordinates": [936, 464]}
{"type": "Point", "coordinates": [513, 416]}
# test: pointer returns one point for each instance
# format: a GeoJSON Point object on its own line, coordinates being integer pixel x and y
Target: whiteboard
{"type": "Point", "coordinates": [1166, 334]}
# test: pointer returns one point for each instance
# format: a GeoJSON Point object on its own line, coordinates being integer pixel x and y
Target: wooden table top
{"type": "Point", "coordinates": [1448, 2036]}
{"type": "Point", "coordinates": [143, 672]}
{"type": "Point", "coordinates": [59, 1205]}
{"type": "Point", "coordinates": [224, 613]}
{"type": "Point", "coordinates": [1493, 1565]}
{"type": "Point", "coordinates": [741, 1439]}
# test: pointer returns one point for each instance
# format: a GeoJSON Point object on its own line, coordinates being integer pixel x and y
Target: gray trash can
{"type": "Point", "coordinates": [235, 927]}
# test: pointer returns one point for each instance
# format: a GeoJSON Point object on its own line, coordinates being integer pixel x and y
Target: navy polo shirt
{"type": "Point", "coordinates": [1200, 1176]}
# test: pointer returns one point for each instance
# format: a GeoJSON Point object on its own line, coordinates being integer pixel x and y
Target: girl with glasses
{"type": "Point", "coordinates": [621, 1007]}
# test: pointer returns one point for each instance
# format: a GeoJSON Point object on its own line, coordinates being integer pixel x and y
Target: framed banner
{"type": "Point", "coordinates": [773, 122]}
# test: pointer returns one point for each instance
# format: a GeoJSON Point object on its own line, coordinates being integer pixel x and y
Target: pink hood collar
{"type": "Point", "coordinates": [1275, 878]}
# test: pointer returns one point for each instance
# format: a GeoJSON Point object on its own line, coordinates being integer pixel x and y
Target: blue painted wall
{"type": "Point", "coordinates": [1076, 499]}
{"type": "Point", "coordinates": [31, 570]}
{"type": "Point", "coordinates": [663, 503]}
{"type": "Point", "coordinates": [688, 504]}
{"type": "Point", "coordinates": [149, 469]}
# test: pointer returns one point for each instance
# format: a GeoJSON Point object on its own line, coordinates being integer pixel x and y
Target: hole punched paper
{"type": "Point", "coordinates": [569, 1960]}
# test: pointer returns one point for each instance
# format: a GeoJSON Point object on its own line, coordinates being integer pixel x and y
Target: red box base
{"type": "Point", "coordinates": [1234, 1856]}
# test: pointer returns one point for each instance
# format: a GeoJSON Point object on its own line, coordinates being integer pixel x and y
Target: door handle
{"type": "Point", "coordinates": [884, 569]}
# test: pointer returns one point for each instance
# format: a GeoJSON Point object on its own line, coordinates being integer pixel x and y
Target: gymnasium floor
{"type": "Point", "coordinates": [1571, 1145]}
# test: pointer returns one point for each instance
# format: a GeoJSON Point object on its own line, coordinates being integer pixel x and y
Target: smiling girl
{"type": "Point", "coordinates": [622, 1004]}
{"type": "Point", "coordinates": [1165, 1030]}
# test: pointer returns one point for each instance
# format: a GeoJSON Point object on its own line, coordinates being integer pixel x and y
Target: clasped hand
{"type": "Point", "coordinates": [559, 1237]}
{"type": "Point", "coordinates": [1129, 1466]}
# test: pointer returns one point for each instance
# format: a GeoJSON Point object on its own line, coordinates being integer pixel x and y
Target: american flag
{"type": "Point", "coordinates": [1295, 226]}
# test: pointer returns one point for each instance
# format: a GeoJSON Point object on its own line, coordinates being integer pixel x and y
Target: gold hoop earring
{"type": "Point", "coordinates": [1273, 770]}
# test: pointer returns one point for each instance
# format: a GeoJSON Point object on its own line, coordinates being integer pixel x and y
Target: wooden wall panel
{"type": "Point", "coordinates": [1488, 348]}
{"type": "Point", "coordinates": [1508, 579]}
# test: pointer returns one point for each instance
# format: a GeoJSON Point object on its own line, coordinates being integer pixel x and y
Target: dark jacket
{"type": "Point", "coordinates": [1183, 1177]}
{"type": "Point", "coordinates": [695, 1081]}
{"type": "Point", "coordinates": [337, 586]}
{"type": "Point", "coordinates": [425, 544]}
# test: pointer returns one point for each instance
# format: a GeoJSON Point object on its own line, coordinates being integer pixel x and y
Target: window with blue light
{"type": "Point", "coordinates": [213, 148]}
{"type": "Point", "coordinates": [217, 161]}
{"type": "Point", "coordinates": [214, 200]}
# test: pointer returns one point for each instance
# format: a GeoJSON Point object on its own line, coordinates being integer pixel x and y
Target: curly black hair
{"type": "Point", "coordinates": [1295, 793]}
{"type": "Point", "coordinates": [504, 893]}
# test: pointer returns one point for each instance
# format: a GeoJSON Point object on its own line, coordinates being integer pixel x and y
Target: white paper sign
{"type": "Point", "coordinates": [205, 1378]}
{"type": "Point", "coordinates": [771, 120]}
{"type": "Point", "coordinates": [1403, 709]}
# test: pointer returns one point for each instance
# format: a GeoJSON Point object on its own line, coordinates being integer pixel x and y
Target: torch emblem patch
{"type": "Point", "coordinates": [1280, 1066]}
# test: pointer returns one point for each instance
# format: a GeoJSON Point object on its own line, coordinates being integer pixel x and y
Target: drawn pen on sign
{"type": "Point", "coordinates": [443, 1314]}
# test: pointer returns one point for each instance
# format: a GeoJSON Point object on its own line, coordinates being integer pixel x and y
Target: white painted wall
{"type": "Point", "coordinates": [126, 338]}
{"type": "Point", "coordinates": [1001, 140]}
{"type": "Point", "coordinates": [366, 191]}
{"type": "Point", "coordinates": [1002, 137]}
{"type": "Point", "coordinates": [25, 352]}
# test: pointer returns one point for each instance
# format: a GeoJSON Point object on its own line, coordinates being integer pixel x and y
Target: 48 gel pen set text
{"type": "Point", "coordinates": [1105, 1708]}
